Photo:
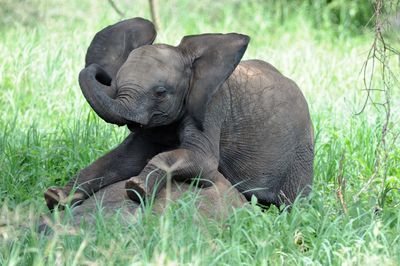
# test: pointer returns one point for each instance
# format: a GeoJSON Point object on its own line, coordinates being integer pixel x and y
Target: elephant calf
{"type": "Point", "coordinates": [215, 201]}
{"type": "Point", "coordinates": [193, 109]}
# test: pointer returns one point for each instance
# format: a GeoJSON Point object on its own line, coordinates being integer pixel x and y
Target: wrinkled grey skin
{"type": "Point", "coordinates": [198, 109]}
{"type": "Point", "coordinates": [216, 201]}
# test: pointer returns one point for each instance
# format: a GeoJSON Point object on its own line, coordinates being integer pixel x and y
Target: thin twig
{"type": "Point", "coordinates": [154, 13]}
{"type": "Point", "coordinates": [380, 51]}
{"type": "Point", "coordinates": [116, 9]}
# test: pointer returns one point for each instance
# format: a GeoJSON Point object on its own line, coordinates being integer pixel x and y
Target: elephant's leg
{"type": "Point", "coordinates": [126, 160]}
{"type": "Point", "coordinates": [184, 164]}
{"type": "Point", "coordinates": [198, 155]}
{"type": "Point", "coordinates": [300, 176]}
{"type": "Point", "coordinates": [216, 201]}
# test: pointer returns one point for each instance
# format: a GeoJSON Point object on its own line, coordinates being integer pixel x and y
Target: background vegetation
{"type": "Point", "coordinates": [48, 132]}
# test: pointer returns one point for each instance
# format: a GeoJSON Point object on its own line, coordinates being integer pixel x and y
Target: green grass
{"type": "Point", "coordinates": [48, 132]}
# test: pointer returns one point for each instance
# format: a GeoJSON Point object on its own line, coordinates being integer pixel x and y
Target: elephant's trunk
{"type": "Point", "coordinates": [96, 86]}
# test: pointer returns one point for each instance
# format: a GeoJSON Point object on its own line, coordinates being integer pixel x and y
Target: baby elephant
{"type": "Point", "coordinates": [193, 110]}
{"type": "Point", "coordinates": [216, 201]}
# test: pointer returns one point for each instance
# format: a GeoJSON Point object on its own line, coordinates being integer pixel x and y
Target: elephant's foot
{"type": "Point", "coordinates": [57, 197]}
{"type": "Point", "coordinates": [135, 191]}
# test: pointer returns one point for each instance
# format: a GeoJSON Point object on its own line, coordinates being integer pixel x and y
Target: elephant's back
{"type": "Point", "coordinates": [268, 119]}
{"type": "Point", "coordinates": [260, 65]}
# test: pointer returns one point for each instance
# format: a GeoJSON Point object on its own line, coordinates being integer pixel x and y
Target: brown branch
{"type": "Point", "coordinates": [379, 52]}
{"type": "Point", "coordinates": [116, 9]}
{"type": "Point", "coordinates": [154, 13]}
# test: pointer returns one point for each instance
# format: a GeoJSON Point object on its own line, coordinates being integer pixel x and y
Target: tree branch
{"type": "Point", "coordinates": [154, 13]}
{"type": "Point", "coordinates": [116, 9]}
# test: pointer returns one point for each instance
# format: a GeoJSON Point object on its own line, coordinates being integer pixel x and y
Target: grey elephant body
{"type": "Point", "coordinates": [216, 202]}
{"type": "Point", "coordinates": [194, 109]}
{"type": "Point", "coordinates": [266, 146]}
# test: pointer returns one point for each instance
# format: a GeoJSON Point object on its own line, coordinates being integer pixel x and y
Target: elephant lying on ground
{"type": "Point", "coordinates": [216, 201]}
{"type": "Point", "coordinates": [194, 109]}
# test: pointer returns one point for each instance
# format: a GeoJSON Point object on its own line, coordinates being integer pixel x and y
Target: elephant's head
{"type": "Point", "coordinates": [129, 81]}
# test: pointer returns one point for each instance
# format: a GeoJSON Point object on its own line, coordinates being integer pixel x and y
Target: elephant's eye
{"type": "Point", "coordinates": [160, 91]}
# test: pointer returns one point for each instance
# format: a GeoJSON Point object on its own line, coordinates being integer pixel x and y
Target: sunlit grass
{"type": "Point", "coordinates": [48, 132]}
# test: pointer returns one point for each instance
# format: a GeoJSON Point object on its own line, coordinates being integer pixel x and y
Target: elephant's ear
{"type": "Point", "coordinates": [213, 58]}
{"type": "Point", "coordinates": [111, 46]}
